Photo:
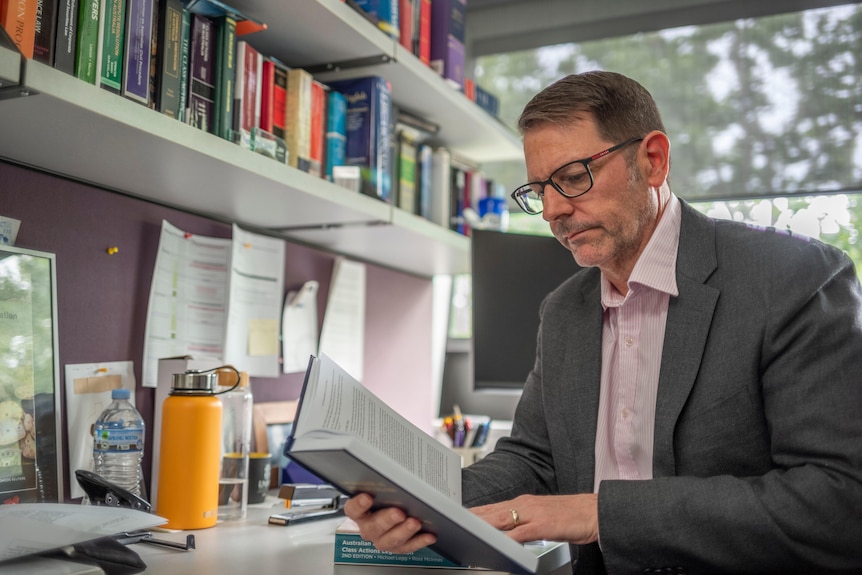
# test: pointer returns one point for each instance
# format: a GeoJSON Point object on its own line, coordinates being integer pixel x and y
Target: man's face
{"type": "Point", "coordinates": [609, 225]}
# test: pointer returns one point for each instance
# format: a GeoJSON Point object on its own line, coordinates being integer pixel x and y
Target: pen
{"type": "Point", "coordinates": [481, 434]}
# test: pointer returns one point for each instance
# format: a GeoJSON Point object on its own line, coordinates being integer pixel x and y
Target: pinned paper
{"type": "Point", "coordinates": [343, 335]}
{"type": "Point", "coordinates": [299, 328]}
{"type": "Point", "coordinates": [262, 337]}
{"type": "Point", "coordinates": [88, 393]}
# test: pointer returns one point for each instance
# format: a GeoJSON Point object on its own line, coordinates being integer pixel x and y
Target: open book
{"type": "Point", "coordinates": [350, 438]}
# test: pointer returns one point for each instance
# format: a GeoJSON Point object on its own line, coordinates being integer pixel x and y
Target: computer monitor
{"type": "Point", "coordinates": [511, 275]}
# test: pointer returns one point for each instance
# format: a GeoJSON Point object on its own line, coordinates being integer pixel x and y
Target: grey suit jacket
{"type": "Point", "coordinates": [758, 438]}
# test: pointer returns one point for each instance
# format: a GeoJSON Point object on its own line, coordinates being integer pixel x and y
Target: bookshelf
{"type": "Point", "coordinates": [76, 130]}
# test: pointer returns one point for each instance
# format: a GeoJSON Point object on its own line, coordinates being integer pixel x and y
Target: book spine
{"type": "Point", "coordinates": [384, 132]}
{"type": "Point", "coordinates": [298, 118]}
{"type": "Point", "coordinates": [407, 173]}
{"type": "Point", "coordinates": [67, 36]}
{"type": "Point", "coordinates": [267, 79]}
{"type": "Point", "coordinates": [336, 131]}
{"type": "Point", "coordinates": [447, 39]}
{"type": "Point", "coordinates": [113, 27]}
{"type": "Point", "coordinates": [423, 41]}
{"type": "Point", "coordinates": [18, 18]}
{"type": "Point", "coordinates": [384, 13]}
{"type": "Point", "coordinates": [136, 65]}
{"type": "Point", "coordinates": [202, 74]}
{"type": "Point", "coordinates": [170, 60]}
{"type": "Point", "coordinates": [46, 31]}
{"type": "Point", "coordinates": [441, 187]}
{"type": "Point", "coordinates": [225, 69]}
{"type": "Point", "coordinates": [368, 109]}
{"type": "Point", "coordinates": [317, 132]}
{"type": "Point", "coordinates": [279, 102]}
{"type": "Point", "coordinates": [405, 21]}
{"type": "Point", "coordinates": [425, 160]}
{"type": "Point", "coordinates": [88, 41]}
{"type": "Point", "coordinates": [185, 46]}
{"type": "Point", "coordinates": [487, 101]}
{"type": "Point", "coordinates": [245, 99]}
{"type": "Point", "coordinates": [155, 55]}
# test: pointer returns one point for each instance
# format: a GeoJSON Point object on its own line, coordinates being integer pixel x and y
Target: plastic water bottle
{"type": "Point", "coordinates": [118, 444]}
{"type": "Point", "coordinates": [236, 400]}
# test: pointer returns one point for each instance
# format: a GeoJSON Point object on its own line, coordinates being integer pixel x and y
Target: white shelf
{"type": "Point", "coordinates": [74, 129]}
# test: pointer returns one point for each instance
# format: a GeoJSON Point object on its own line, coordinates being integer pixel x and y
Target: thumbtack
{"type": "Point", "coordinates": [112, 250]}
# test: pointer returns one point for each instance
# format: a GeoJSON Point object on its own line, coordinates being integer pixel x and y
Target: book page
{"type": "Point", "coordinates": [335, 402]}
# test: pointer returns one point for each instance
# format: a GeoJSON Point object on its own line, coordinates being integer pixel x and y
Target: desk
{"type": "Point", "coordinates": [253, 546]}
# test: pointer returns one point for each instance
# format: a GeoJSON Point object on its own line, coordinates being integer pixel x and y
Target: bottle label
{"type": "Point", "coordinates": [119, 439]}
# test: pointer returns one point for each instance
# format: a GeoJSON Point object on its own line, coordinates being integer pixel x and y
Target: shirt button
{"type": "Point", "coordinates": [630, 341]}
{"type": "Point", "coordinates": [625, 413]}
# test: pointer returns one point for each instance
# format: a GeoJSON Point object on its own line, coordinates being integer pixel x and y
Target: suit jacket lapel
{"type": "Point", "coordinates": [688, 322]}
{"type": "Point", "coordinates": [581, 366]}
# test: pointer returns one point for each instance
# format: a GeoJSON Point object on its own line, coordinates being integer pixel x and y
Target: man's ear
{"type": "Point", "coordinates": [657, 147]}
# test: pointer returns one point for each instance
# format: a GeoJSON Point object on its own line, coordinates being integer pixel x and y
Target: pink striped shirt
{"type": "Point", "coordinates": [632, 341]}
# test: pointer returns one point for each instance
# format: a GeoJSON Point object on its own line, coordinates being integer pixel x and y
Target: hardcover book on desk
{"type": "Point", "coordinates": [352, 549]}
{"type": "Point", "coordinates": [346, 435]}
{"type": "Point", "coordinates": [369, 104]}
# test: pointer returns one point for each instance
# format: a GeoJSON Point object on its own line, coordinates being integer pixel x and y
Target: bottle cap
{"type": "Point", "coordinates": [121, 393]}
{"type": "Point", "coordinates": [192, 382]}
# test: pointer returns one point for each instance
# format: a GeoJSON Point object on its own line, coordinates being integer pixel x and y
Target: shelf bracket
{"type": "Point", "coordinates": [348, 64]}
{"type": "Point", "coordinates": [13, 67]}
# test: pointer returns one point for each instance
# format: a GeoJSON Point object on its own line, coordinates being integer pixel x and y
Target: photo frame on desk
{"type": "Point", "coordinates": [31, 458]}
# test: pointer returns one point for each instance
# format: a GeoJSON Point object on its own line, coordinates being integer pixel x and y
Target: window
{"type": "Point", "coordinates": [764, 114]}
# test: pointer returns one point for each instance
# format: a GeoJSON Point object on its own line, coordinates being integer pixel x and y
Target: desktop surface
{"type": "Point", "coordinates": [251, 545]}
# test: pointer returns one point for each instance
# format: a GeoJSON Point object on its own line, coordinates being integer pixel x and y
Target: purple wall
{"type": "Point", "coordinates": [102, 299]}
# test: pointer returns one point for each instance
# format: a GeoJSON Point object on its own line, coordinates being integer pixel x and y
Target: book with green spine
{"type": "Point", "coordinates": [87, 50]}
{"type": "Point", "coordinates": [113, 39]}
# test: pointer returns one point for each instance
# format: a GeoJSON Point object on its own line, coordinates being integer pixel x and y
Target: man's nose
{"type": "Point", "coordinates": [555, 204]}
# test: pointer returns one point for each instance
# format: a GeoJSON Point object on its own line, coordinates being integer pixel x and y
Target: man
{"type": "Point", "coordinates": [694, 405]}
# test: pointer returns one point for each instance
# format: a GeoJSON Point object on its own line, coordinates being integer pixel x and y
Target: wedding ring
{"type": "Point", "coordinates": [515, 518]}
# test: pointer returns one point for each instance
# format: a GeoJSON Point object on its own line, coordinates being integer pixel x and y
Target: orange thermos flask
{"type": "Point", "coordinates": [190, 452]}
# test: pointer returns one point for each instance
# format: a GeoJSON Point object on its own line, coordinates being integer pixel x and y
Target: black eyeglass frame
{"type": "Point", "coordinates": [521, 191]}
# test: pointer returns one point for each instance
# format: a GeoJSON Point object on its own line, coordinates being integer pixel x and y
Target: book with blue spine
{"type": "Point", "coordinates": [385, 12]}
{"type": "Point", "coordinates": [351, 548]}
{"type": "Point", "coordinates": [138, 50]}
{"type": "Point", "coordinates": [336, 132]}
{"type": "Point", "coordinates": [369, 104]}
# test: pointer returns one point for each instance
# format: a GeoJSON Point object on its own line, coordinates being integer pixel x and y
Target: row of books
{"type": "Point", "coordinates": [191, 60]}
{"type": "Point", "coordinates": [434, 31]}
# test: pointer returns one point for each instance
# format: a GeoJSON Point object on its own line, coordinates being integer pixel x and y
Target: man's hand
{"type": "Point", "coordinates": [571, 518]}
{"type": "Point", "coordinates": [389, 529]}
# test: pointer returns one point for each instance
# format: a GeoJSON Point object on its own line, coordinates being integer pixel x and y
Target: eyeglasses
{"type": "Point", "coordinates": [571, 180]}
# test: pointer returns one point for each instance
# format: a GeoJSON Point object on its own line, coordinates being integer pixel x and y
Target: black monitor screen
{"type": "Point", "coordinates": [512, 273]}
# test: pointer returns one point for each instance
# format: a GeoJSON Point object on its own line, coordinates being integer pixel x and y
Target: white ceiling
{"type": "Point", "coordinates": [495, 26]}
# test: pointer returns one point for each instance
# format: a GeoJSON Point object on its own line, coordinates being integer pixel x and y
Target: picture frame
{"type": "Point", "coordinates": [31, 455]}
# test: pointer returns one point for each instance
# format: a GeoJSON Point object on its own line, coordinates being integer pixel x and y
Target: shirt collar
{"type": "Point", "coordinates": [656, 266]}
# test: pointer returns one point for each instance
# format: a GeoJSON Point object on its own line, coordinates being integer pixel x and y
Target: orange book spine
{"type": "Point", "coordinates": [18, 18]}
